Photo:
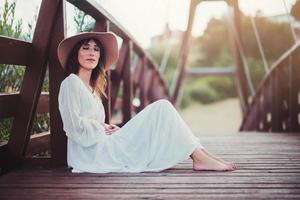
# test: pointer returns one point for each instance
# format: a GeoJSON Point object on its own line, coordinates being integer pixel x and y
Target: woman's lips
{"type": "Point", "coordinates": [91, 60]}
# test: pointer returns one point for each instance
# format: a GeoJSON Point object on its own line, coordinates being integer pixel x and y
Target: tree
{"type": "Point", "coordinates": [212, 49]}
{"type": "Point", "coordinates": [276, 38]}
{"type": "Point", "coordinates": [295, 11]}
{"type": "Point", "coordinates": [212, 46]}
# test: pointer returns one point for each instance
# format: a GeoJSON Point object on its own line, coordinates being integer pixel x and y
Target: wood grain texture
{"type": "Point", "coordinates": [268, 168]}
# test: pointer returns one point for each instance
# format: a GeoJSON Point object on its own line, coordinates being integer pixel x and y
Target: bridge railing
{"type": "Point", "coordinates": [146, 78]}
{"type": "Point", "coordinates": [276, 104]}
{"type": "Point", "coordinates": [142, 82]}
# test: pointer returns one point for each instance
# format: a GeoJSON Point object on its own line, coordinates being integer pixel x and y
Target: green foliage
{"type": "Point", "coordinates": [8, 25]}
{"type": "Point", "coordinates": [207, 90]}
{"type": "Point", "coordinates": [84, 23]}
{"type": "Point", "coordinates": [257, 71]}
{"type": "Point", "coordinates": [158, 52]}
{"type": "Point", "coordinates": [203, 92]}
{"type": "Point", "coordinates": [11, 76]}
{"type": "Point", "coordinates": [276, 38]}
{"type": "Point", "coordinates": [41, 123]}
{"type": "Point", "coordinates": [5, 125]}
{"type": "Point", "coordinates": [212, 49]}
{"type": "Point", "coordinates": [224, 86]}
{"type": "Point", "coordinates": [212, 45]}
{"type": "Point", "coordinates": [186, 99]}
{"type": "Point", "coordinates": [224, 58]}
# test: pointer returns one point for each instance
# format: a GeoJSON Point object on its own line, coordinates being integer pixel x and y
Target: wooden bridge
{"type": "Point", "coordinates": [268, 168]}
{"type": "Point", "coordinates": [267, 150]}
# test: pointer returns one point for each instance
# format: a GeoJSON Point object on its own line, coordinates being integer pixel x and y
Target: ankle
{"type": "Point", "coordinates": [199, 156]}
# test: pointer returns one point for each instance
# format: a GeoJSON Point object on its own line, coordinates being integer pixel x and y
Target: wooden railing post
{"type": "Point", "coordinates": [127, 87]}
{"type": "Point", "coordinates": [242, 85]}
{"type": "Point", "coordinates": [279, 95]}
{"type": "Point", "coordinates": [142, 84]}
{"type": "Point", "coordinates": [117, 73]}
{"type": "Point", "coordinates": [184, 50]}
{"type": "Point", "coordinates": [150, 85]}
{"type": "Point", "coordinates": [32, 82]}
{"type": "Point", "coordinates": [137, 75]}
{"type": "Point", "coordinates": [58, 138]}
{"type": "Point", "coordinates": [102, 25]}
{"type": "Point", "coordinates": [294, 114]}
{"type": "Point", "coordinates": [275, 99]}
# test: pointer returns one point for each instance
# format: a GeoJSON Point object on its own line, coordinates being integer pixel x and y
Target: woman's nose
{"type": "Point", "coordinates": [92, 52]}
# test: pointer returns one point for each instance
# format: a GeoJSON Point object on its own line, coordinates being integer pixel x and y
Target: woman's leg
{"type": "Point", "coordinates": [202, 161]}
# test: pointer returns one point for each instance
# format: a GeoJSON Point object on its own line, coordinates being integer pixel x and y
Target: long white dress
{"type": "Point", "coordinates": [153, 140]}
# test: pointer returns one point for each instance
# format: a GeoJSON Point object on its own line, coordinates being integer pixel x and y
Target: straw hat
{"type": "Point", "coordinates": [108, 41]}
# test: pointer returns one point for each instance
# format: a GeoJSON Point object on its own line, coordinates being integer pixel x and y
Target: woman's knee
{"type": "Point", "coordinates": [164, 103]}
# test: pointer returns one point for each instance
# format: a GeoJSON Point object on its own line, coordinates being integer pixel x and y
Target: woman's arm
{"type": "Point", "coordinates": [84, 131]}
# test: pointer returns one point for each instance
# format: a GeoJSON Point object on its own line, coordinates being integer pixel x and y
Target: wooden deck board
{"type": "Point", "coordinates": [268, 167]}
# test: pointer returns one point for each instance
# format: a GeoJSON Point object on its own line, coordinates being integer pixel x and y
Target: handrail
{"type": "Point", "coordinates": [8, 104]}
{"type": "Point", "coordinates": [276, 64]}
{"type": "Point", "coordinates": [14, 51]}
{"type": "Point", "coordinates": [96, 11]}
{"type": "Point", "coordinates": [41, 53]}
{"type": "Point", "coordinates": [285, 55]}
{"type": "Point", "coordinates": [275, 104]}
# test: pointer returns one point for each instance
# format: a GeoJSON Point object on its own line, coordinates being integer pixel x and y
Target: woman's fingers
{"type": "Point", "coordinates": [111, 130]}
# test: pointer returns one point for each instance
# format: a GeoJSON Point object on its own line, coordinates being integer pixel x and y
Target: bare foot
{"type": "Point", "coordinates": [211, 165]}
{"type": "Point", "coordinates": [218, 159]}
{"type": "Point", "coordinates": [202, 161]}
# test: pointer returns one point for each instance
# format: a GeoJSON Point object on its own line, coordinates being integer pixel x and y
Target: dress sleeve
{"type": "Point", "coordinates": [84, 131]}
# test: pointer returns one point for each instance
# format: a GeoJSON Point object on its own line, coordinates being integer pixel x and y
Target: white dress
{"type": "Point", "coordinates": [153, 140]}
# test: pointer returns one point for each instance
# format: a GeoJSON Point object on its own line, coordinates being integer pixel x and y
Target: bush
{"type": "Point", "coordinates": [5, 125]}
{"type": "Point", "coordinates": [207, 90]}
{"type": "Point", "coordinates": [203, 93]}
{"type": "Point", "coordinates": [224, 86]}
{"type": "Point", "coordinates": [41, 123]}
{"type": "Point", "coordinates": [186, 99]}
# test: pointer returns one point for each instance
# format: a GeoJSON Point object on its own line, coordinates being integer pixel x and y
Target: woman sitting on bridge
{"type": "Point", "coordinates": [153, 140]}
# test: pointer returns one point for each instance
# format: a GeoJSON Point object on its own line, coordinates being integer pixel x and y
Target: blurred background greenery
{"type": "Point", "coordinates": [212, 49]}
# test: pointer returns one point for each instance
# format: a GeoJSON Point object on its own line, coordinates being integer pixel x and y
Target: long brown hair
{"type": "Point", "coordinates": [98, 76]}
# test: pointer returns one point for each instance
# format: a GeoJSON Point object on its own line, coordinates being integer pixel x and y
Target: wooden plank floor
{"type": "Point", "coordinates": [268, 168]}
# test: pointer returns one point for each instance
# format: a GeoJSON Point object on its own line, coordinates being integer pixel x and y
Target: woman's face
{"type": "Point", "coordinates": [88, 55]}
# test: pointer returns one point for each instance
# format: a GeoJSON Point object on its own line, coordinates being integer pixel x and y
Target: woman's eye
{"type": "Point", "coordinates": [85, 48]}
{"type": "Point", "coordinates": [96, 49]}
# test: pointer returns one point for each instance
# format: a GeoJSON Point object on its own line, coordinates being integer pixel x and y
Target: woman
{"type": "Point", "coordinates": [155, 139]}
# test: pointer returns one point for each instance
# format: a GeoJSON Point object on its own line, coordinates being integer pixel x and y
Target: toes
{"type": "Point", "coordinates": [231, 167]}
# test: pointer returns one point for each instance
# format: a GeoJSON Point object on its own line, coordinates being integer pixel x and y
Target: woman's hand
{"type": "Point", "coordinates": [110, 128]}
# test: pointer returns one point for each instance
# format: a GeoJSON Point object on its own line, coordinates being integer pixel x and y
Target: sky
{"type": "Point", "coordinates": [147, 18]}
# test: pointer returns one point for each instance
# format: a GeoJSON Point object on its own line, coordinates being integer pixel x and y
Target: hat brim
{"type": "Point", "coordinates": [108, 41]}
